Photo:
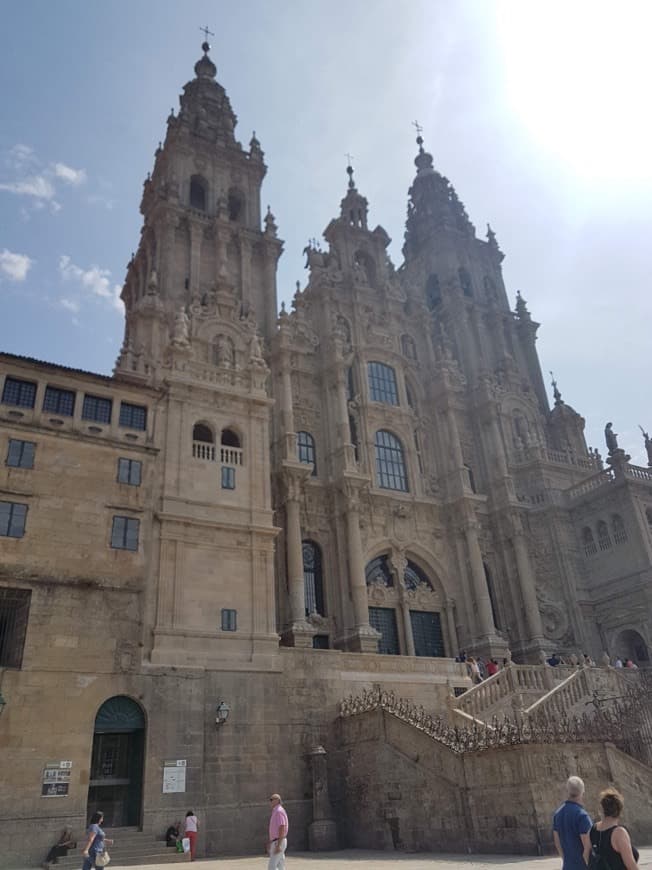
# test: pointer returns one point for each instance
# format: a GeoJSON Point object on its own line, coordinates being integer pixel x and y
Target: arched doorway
{"type": "Point", "coordinates": [116, 782]}
{"type": "Point", "coordinates": [630, 645]}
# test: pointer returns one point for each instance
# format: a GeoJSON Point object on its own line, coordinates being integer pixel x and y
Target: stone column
{"type": "Point", "coordinates": [341, 407]}
{"type": "Point", "coordinates": [479, 581]}
{"type": "Point", "coordinates": [528, 585]}
{"type": "Point", "coordinates": [298, 632]}
{"type": "Point", "coordinates": [452, 628]}
{"type": "Point", "coordinates": [287, 410]}
{"type": "Point", "coordinates": [322, 832]}
{"type": "Point", "coordinates": [398, 564]}
{"type": "Point", "coordinates": [364, 638]}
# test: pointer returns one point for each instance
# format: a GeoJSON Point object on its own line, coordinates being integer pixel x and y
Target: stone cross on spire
{"type": "Point", "coordinates": [206, 32]}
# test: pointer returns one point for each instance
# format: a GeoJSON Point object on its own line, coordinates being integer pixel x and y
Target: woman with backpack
{"type": "Point", "coordinates": [611, 846]}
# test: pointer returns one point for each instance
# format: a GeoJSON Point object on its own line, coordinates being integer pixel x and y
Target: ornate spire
{"type": "Point", "coordinates": [433, 205]}
{"type": "Point", "coordinates": [493, 244]}
{"type": "Point", "coordinates": [353, 208]}
{"type": "Point", "coordinates": [555, 392]}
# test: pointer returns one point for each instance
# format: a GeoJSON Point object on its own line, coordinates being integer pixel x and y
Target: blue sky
{"type": "Point", "coordinates": [537, 112]}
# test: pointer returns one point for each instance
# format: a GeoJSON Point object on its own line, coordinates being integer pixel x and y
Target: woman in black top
{"type": "Point", "coordinates": [608, 837]}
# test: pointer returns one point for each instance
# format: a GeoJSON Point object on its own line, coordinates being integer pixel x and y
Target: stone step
{"type": "Point", "coordinates": [125, 859]}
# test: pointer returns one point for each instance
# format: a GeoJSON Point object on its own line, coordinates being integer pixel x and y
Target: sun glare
{"type": "Point", "coordinates": [577, 77]}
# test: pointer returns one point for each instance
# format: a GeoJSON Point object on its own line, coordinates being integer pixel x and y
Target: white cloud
{"type": "Point", "coordinates": [95, 280]}
{"type": "Point", "coordinates": [37, 186]}
{"type": "Point", "coordinates": [70, 175]}
{"type": "Point", "coordinates": [20, 155]}
{"type": "Point", "coordinates": [69, 305]}
{"type": "Point", "coordinates": [15, 266]}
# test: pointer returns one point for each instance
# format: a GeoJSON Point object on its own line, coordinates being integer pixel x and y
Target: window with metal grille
{"type": "Point", "coordinates": [20, 453]}
{"type": "Point", "coordinates": [382, 383]}
{"type": "Point", "coordinates": [377, 572]}
{"type": "Point", "coordinates": [129, 471]}
{"type": "Point", "coordinates": [229, 619]}
{"type": "Point", "coordinates": [14, 615]}
{"type": "Point", "coordinates": [97, 408]}
{"type": "Point", "coordinates": [383, 619]}
{"type": "Point", "coordinates": [12, 519]}
{"type": "Point", "coordinates": [58, 401]}
{"type": "Point", "coordinates": [228, 477]}
{"type": "Point", "coordinates": [427, 634]}
{"type": "Point", "coordinates": [20, 393]}
{"type": "Point", "coordinates": [124, 533]}
{"type": "Point", "coordinates": [390, 462]}
{"type": "Point", "coordinates": [313, 578]}
{"type": "Point", "coordinates": [306, 450]}
{"type": "Point", "coordinates": [133, 416]}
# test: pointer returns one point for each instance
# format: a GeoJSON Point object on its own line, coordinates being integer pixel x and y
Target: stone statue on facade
{"type": "Point", "coordinates": [648, 445]}
{"type": "Point", "coordinates": [181, 330]}
{"type": "Point", "coordinates": [611, 438]}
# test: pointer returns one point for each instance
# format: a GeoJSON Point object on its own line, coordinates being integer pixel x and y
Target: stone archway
{"type": "Point", "coordinates": [631, 645]}
{"type": "Point", "coordinates": [117, 760]}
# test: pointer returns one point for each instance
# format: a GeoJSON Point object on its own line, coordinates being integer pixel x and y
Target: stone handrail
{"type": "Point", "coordinates": [564, 696]}
{"type": "Point", "coordinates": [203, 450]}
{"type": "Point", "coordinates": [465, 719]}
{"type": "Point", "coordinates": [561, 457]}
{"type": "Point", "coordinates": [638, 472]}
{"type": "Point", "coordinates": [593, 482]}
{"type": "Point", "coordinates": [513, 678]}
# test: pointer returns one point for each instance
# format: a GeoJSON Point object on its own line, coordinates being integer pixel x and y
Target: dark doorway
{"type": "Point", "coordinates": [427, 634]}
{"type": "Point", "coordinates": [116, 783]}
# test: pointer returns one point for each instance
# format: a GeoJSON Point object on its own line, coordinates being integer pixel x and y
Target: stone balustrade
{"type": "Point", "coordinates": [638, 472]}
{"type": "Point", "coordinates": [591, 483]}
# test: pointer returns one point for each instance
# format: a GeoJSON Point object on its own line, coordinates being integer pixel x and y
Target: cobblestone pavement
{"type": "Point", "coordinates": [363, 860]}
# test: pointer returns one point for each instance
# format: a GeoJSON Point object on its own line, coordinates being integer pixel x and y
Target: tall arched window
{"type": "Point", "coordinates": [236, 205]}
{"type": "Point", "coordinates": [313, 580]}
{"type": "Point", "coordinates": [604, 538]}
{"type": "Point", "coordinates": [382, 383]}
{"type": "Point", "coordinates": [198, 193]}
{"type": "Point", "coordinates": [618, 528]}
{"type": "Point", "coordinates": [465, 281]}
{"type": "Point", "coordinates": [390, 462]}
{"type": "Point", "coordinates": [433, 292]}
{"type": "Point", "coordinates": [588, 541]}
{"type": "Point", "coordinates": [306, 450]}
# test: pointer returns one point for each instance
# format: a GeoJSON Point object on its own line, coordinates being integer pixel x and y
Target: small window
{"type": "Point", "coordinates": [306, 450]}
{"type": "Point", "coordinates": [203, 433]}
{"type": "Point", "coordinates": [58, 401]}
{"type": "Point", "coordinates": [390, 462]}
{"type": "Point", "coordinates": [382, 383]}
{"type": "Point", "coordinates": [14, 615]}
{"type": "Point", "coordinates": [129, 471]}
{"type": "Point", "coordinates": [203, 442]}
{"type": "Point", "coordinates": [20, 393]}
{"type": "Point", "coordinates": [124, 534]}
{"type": "Point", "coordinates": [313, 578]}
{"type": "Point", "coordinates": [588, 541]}
{"type": "Point", "coordinates": [229, 619]}
{"type": "Point", "coordinates": [228, 477]}
{"type": "Point", "coordinates": [198, 193]}
{"type": "Point", "coordinates": [433, 292]}
{"type": "Point", "coordinates": [604, 538]}
{"type": "Point", "coordinates": [618, 528]}
{"type": "Point", "coordinates": [12, 519]}
{"type": "Point", "coordinates": [465, 281]}
{"type": "Point", "coordinates": [229, 438]}
{"type": "Point", "coordinates": [20, 454]}
{"type": "Point", "coordinates": [97, 408]}
{"type": "Point", "coordinates": [236, 207]}
{"type": "Point", "coordinates": [133, 416]}
{"type": "Point", "coordinates": [320, 641]}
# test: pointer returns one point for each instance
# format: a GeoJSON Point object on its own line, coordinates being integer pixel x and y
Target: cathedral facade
{"type": "Point", "coordinates": [202, 554]}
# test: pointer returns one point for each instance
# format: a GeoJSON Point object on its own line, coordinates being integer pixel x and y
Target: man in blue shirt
{"type": "Point", "coordinates": [570, 828]}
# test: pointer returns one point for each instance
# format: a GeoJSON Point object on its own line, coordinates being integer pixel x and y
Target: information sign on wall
{"type": "Point", "coordinates": [174, 776]}
{"type": "Point", "coordinates": [55, 781]}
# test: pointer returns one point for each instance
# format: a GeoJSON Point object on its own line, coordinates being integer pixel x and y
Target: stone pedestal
{"type": "Point", "coordinates": [322, 832]}
{"type": "Point", "coordinates": [360, 639]}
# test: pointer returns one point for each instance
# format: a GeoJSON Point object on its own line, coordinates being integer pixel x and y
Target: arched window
{"type": "Point", "coordinates": [618, 528]}
{"type": "Point", "coordinates": [465, 281]}
{"type": "Point", "coordinates": [236, 206]}
{"type": "Point", "coordinates": [390, 462]}
{"type": "Point", "coordinates": [604, 539]}
{"type": "Point", "coordinates": [588, 541]}
{"type": "Point", "coordinates": [377, 572]}
{"type": "Point", "coordinates": [230, 455]}
{"type": "Point", "coordinates": [313, 580]}
{"type": "Point", "coordinates": [306, 450]}
{"type": "Point", "coordinates": [198, 193]}
{"type": "Point", "coordinates": [433, 292]}
{"type": "Point", "coordinates": [382, 383]}
{"type": "Point", "coordinates": [414, 577]}
{"type": "Point", "coordinates": [203, 442]}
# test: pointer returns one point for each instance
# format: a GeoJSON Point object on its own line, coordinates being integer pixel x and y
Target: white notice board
{"type": "Point", "coordinates": [174, 776]}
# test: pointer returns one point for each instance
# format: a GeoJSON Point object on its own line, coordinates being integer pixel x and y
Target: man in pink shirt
{"type": "Point", "coordinates": [278, 832]}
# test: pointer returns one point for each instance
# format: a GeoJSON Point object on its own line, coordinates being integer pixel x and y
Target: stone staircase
{"type": "Point", "coordinates": [538, 691]}
{"type": "Point", "coordinates": [131, 847]}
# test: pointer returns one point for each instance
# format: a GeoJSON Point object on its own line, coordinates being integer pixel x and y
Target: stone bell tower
{"type": "Point", "coordinates": [200, 300]}
{"type": "Point", "coordinates": [202, 232]}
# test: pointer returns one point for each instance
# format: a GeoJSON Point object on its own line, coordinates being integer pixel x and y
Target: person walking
{"type": "Point", "coordinates": [191, 827]}
{"type": "Point", "coordinates": [609, 839]}
{"type": "Point", "coordinates": [570, 827]}
{"type": "Point", "coordinates": [96, 843]}
{"type": "Point", "coordinates": [277, 842]}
